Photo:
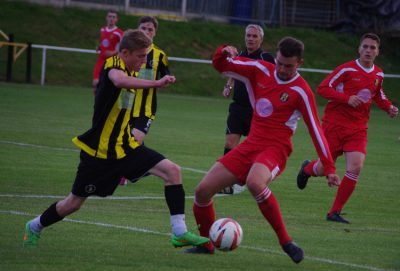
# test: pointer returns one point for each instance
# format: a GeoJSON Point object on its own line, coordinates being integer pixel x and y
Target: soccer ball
{"type": "Point", "coordinates": [226, 234]}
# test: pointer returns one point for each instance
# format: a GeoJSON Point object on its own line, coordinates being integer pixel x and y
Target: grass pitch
{"type": "Point", "coordinates": [130, 231]}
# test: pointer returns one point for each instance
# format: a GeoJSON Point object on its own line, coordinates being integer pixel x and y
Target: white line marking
{"type": "Point", "coordinates": [135, 229]}
{"type": "Point", "coordinates": [21, 144]}
{"type": "Point", "coordinates": [98, 198]}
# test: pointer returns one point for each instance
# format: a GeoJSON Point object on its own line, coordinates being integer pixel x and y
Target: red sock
{"type": "Point", "coordinates": [205, 217]}
{"type": "Point", "coordinates": [344, 192]}
{"type": "Point", "coordinates": [269, 207]}
{"type": "Point", "coordinates": [309, 169]}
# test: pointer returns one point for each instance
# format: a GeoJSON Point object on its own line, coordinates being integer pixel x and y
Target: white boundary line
{"type": "Point", "coordinates": [143, 230]}
{"type": "Point", "coordinates": [21, 144]}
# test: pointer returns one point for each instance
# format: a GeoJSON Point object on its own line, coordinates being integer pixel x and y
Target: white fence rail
{"type": "Point", "coordinates": [178, 59]}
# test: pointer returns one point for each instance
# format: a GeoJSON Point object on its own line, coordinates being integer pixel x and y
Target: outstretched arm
{"type": "Point", "coordinates": [121, 80]}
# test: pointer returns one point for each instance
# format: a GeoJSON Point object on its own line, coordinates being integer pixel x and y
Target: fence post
{"type": "Point", "coordinates": [127, 5]}
{"type": "Point", "coordinates": [43, 76]}
{"type": "Point", "coordinates": [10, 58]}
{"type": "Point", "coordinates": [29, 63]}
{"type": "Point", "coordinates": [183, 8]}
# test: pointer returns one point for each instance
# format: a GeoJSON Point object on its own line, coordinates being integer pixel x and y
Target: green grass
{"type": "Point", "coordinates": [189, 131]}
{"type": "Point", "coordinates": [73, 27]}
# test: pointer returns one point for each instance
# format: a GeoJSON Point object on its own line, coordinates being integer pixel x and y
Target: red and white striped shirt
{"type": "Point", "coordinates": [277, 105]}
{"type": "Point", "coordinates": [352, 79]}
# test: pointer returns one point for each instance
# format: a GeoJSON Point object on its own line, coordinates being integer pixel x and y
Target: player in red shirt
{"type": "Point", "coordinates": [279, 96]}
{"type": "Point", "coordinates": [350, 89]}
{"type": "Point", "coordinates": [110, 36]}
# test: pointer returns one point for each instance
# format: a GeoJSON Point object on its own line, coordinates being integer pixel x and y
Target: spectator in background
{"type": "Point", "coordinates": [240, 110]}
{"type": "Point", "coordinates": [145, 103]}
{"type": "Point", "coordinates": [110, 36]}
{"type": "Point", "coordinates": [350, 89]}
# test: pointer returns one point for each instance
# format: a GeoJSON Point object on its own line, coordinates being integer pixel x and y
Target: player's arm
{"type": "Point", "coordinates": [383, 102]}
{"type": "Point", "coordinates": [163, 66]}
{"type": "Point", "coordinates": [308, 109]}
{"type": "Point", "coordinates": [121, 80]}
{"type": "Point", "coordinates": [228, 87]}
{"type": "Point", "coordinates": [239, 68]}
{"type": "Point", "coordinates": [328, 87]}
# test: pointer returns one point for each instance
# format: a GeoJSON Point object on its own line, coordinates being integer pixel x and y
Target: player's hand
{"type": "Point", "coordinates": [355, 101]}
{"type": "Point", "coordinates": [230, 51]}
{"type": "Point", "coordinates": [227, 91]}
{"type": "Point", "coordinates": [333, 180]}
{"type": "Point", "coordinates": [166, 81]}
{"type": "Point", "coordinates": [393, 111]}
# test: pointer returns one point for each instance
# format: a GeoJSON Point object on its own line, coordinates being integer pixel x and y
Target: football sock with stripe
{"type": "Point", "coordinates": [269, 207]}
{"type": "Point", "coordinates": [344, 191]}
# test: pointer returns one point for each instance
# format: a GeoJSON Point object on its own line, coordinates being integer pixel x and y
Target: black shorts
{"type": "Point", "coordinates": [100, 177]}
{"type": "Point", "coordinates": [141, 123]}
{"type": "Point", "coordinates": [239, 119]}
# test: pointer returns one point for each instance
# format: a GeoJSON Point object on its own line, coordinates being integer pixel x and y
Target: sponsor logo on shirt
{"type": "Point", "coordinates": [264, 107]}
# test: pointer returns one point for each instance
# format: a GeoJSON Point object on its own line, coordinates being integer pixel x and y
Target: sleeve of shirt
{"type": "Point", "coordinates": [163, 66]}
{"type": "Point", "coordinates": [328, 87]}
{"type": "Point", "coordinates": [238, 68]}
{"type": "Point", "coordinates": [308, 109]}
{"type": "Point", "coordinates": [380, 99]}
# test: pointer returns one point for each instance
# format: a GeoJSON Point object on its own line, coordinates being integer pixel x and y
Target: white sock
{"type": "Point", "coordinates": [35, 225]}
{"type": "Point", "coordinates": [178, 224]}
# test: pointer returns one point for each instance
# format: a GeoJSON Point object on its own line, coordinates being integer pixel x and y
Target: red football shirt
{"type": "Point", "coordinates": [352, 79]}
{"type": "Point", "coordinates": [277, 105]}
{"type": "Point", "coordinates": [109, 39]}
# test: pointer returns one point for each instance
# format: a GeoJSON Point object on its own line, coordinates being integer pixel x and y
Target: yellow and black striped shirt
{"type": "Point", "coordinates": [145, 103]}
{"type": "Point", "coordinates": [110, 137]}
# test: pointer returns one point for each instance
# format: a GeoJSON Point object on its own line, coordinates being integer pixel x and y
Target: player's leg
{"type": "Point", "coordinates": [217, 178]}
{"type": "Point", "coordinates": [258, 179]}
{"type": "Point", "coordinates": [53, 214]}
{"type": "Point", "coordinates": [354, 164]}
{"type": "Point", "coordinates": [237, 124]}
{"type": "Point", "coordinates": [315, 168]}
{"type": "Point", "coordinates": [175, 198]}
{"type": "Point", "coordinates": [140, 127]}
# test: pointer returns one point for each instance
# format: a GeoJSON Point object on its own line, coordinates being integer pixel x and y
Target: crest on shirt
{"type": "Point", "coordinates": [284, 97]}
{"type": "Point", "coordinates": [376, 82]}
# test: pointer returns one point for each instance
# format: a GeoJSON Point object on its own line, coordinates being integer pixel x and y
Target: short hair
{"type": "Point", "coordinates": [290, 47]}
{"type": "Point", "coordinates": [149, 19]}
{"type": "Point", "coordinates": [371, 36]}
{"type": "Point", "coordinates": [112, 11]}
{"type": "Point", "coordinates": [257, 27]}
{"type": "Point", "coordinates": [133, 40]}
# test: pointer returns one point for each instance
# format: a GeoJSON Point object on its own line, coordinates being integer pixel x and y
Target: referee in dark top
{"type": "Point", "coordinates": [240, 110]}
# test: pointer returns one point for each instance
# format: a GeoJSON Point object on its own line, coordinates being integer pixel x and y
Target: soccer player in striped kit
{"type": "Point", "coordinates": [350, 89]}
{"type": "Point", "coordinates": [279, 96]}
{"type": "Point", "coordinates": [108, 149]}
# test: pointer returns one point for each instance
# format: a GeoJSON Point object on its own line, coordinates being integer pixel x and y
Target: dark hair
{"type": "Point", "coordinates": [149, 19]}
{"type": "Point", "coordinates": [289, 47]}
{"type": "Point", "coordinates": [371, 36]}
{"type": "Point", "coordinates": [112, 11]}
{"type": "Point", "coordinates": [134, 40]}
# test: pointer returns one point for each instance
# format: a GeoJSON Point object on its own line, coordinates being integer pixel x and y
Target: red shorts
{"type": "Point", "coordinates": [341, 139]}
{"type": "Point", "coordinates": [241, 158]}
{"type": "Point", "coordinates": [97, 68]}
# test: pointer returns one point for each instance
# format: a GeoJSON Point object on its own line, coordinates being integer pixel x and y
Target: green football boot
{"type": "Point", "coordinates": [188, 239]}
{"type": "Point", "coordinates": [30, 238]}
